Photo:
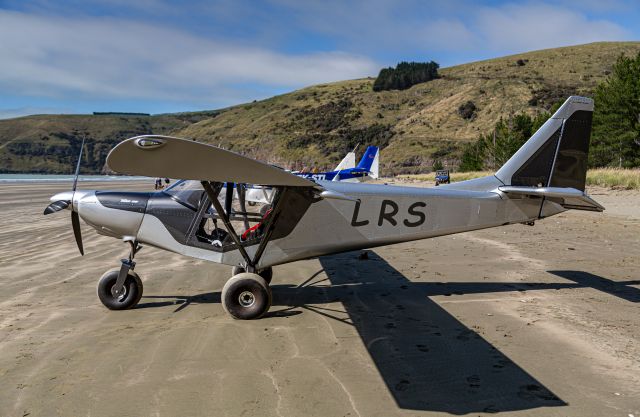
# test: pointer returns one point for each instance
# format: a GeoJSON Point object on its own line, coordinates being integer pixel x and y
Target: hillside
{"type": "Point", "coordinates": [50, 143]}
{"type": "Point", "coordinates": [315, 126]}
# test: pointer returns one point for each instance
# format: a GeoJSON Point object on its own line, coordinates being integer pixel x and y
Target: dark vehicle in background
{"type": "Point", "coordinates": [442, 177]}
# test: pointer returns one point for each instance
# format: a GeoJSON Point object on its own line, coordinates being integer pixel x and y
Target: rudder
{"type": "Point", "coordinates": [556, 155]}
{"type": "Point", "coordinates": [370, 161]}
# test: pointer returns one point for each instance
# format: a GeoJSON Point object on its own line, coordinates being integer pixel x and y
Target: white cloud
{"type": "Point", "coordinates": [600, 5]}
{"type": "Point", "coordinates": [49, 52]}
{"type": "Point", "coordinates": [386, 25]}
{"type": "Point", "coordinates": [460, 27]}
{"type": "Point", "coordinates": [518, 28]}
{"type": "Point", "coordinates": [116, 58]}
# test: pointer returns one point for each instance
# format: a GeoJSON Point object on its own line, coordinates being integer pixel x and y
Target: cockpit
{"type": "Point", "coordinates": [247, 208]}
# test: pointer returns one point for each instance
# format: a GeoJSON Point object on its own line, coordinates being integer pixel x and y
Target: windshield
{"type": "Point", "coordinates": [186, 191]}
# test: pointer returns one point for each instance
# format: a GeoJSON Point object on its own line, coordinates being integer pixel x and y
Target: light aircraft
{"type": "Point", "coordinates": [367, 168]}
{"type": "Point", "coordinates": [347, 170]}
{"type": "Point", "coordinates": [309, 218]}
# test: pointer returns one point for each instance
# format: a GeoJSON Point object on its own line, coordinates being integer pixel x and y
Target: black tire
{"type": "Point", "coordinates": [246, 296]}
{"type": "Point", "coordinates": [266, 274]}
{"type": "Point", "coordinates": [132, 294]}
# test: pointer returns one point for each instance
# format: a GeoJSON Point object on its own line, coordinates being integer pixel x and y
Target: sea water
{"type": "Point", "coordinates": [4, 178]}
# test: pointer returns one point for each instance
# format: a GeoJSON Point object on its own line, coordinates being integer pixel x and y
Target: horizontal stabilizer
{"type": "Point", "coordinates": [569, 198]}
{"type": "Point", "coordinates": [167, 157]}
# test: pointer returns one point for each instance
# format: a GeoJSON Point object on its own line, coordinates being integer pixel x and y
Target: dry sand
{"type": "Point", "coordinates": [519, 320]}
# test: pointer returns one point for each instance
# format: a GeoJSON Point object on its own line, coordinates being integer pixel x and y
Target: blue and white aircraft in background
{"type": "Point", "coordinates": [367, 168]}
{"type": "Point", "coordinates": [346, 171]}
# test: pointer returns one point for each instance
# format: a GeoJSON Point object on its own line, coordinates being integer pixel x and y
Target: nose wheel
{"type": "Point", "coordinates": [127, 297]}
{"type": "Point", "coordinates": [121, 289]}
{"type": "Point", "coordinates": [246, 296]}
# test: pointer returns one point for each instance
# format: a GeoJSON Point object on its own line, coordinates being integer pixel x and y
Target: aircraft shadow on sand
{"type": "Point", "coordinates": [620, 289]}
{"type": "Point", "coordinates": [428, 359]}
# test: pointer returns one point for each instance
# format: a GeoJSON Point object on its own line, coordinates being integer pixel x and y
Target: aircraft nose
{"type": "Point", "coordinates": [65, 200]}
{"type": "Point", "coordinates": [116, 214]}
{"type": "Point", "coordinates": [64, 196]}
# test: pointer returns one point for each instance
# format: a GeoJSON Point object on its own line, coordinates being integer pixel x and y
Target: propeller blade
{"type": "Point", "coordinates": [75, 179]}
{"type": "Point", "coordinates": [75, 222]}
{"type": "Point", "coordinates": [56, 206]}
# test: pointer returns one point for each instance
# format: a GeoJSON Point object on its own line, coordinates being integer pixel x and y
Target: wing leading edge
{"type": "Point", "coordinates": [164, 156]}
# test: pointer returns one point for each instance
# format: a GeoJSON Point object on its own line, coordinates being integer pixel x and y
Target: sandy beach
{"type": "Point", "coordinates": [518, 320]}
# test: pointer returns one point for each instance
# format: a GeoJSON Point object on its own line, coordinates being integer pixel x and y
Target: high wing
{"type": "Point", "coordinates": [164, 156]}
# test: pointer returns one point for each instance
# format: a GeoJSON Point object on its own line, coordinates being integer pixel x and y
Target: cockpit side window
{"type": "Point", "coordinates": [187, 192]}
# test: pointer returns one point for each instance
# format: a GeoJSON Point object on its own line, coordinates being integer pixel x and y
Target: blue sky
{"type": "Point", "coordinates": [156, 56]}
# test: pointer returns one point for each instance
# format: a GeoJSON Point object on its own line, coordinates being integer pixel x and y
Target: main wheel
{"type": "Point", "coordinates": [131, 294]}
{"type": "Point", "coordinates": [266, 274]}
{"type": "Point", "coordinates": [246, 296]}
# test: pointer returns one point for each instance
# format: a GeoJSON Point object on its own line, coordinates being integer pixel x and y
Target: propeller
{"type": "Point", "coordinates": [63, 204]}
{"type": "Point", "coordinates": [75, 223]}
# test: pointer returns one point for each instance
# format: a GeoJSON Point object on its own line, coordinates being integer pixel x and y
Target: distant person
{"type": "Point", "coordinates": [159, 184]}
{"type": "Point", "coordinates": [167, 181]}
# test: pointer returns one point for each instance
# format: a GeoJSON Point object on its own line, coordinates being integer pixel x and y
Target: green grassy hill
{"type": "Point", "coordinates": [51, 143]}
{"type": "Point", "coordinates": [315, 126]}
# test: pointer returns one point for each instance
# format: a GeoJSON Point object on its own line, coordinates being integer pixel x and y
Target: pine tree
{"type": "Point", "coordinates": [405, 75]}
{"type": "Point", "coordinates": [615, 140]}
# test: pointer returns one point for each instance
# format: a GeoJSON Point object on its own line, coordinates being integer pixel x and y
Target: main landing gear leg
{"type": "Point", "coordinates": [121, 289]}
{"type": "Point", "coordinates": [266, 274]}
{"type": "Point", "coordinates": [247, 294]}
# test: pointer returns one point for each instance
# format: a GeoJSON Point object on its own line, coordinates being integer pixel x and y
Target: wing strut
{"type": "Point", "coordinates": [225, 219]}
{"type": "Point", "coordinates": [269, 226]}
{"type": "Point", "coordinates": [271, 221]}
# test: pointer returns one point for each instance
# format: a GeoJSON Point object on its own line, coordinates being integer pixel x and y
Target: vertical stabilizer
{"type": "Point", "coordinates": [556, 155]}
{"type": "Point", "coordinates": [370, 161]}
{"type": "Point", "coordinates": [349, 161]}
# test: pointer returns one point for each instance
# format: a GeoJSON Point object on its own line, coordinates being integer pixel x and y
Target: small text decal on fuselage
{"type": "Point", "coordinates": [315, 177]}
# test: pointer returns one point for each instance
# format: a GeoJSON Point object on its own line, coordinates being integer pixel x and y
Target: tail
{"type": "Point", "coordinates": [370, 161]}
{"type": "Point", "coordinates": [349, 161]}
{"type": "Point", "coordinates": [553, 162]}
{"type": "Point", "coordinates": [551, 165]}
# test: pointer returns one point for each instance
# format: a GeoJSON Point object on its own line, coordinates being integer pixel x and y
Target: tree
{"type": "Point", "coordinates": [615, 140]}
{"type": "Point", "coordinates": [492, 150]}
{"type": "Point", "coordinates": [404, 75]}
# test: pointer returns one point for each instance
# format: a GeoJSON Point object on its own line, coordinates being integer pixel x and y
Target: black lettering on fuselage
{"type": "Point", "coordinates": [389, 209]}
{"type": "Point", "coordinates": [412, 211]}
{"type": "Point", "coordinates": [354, 220]}
{"type": "Point", "coordinates": [388, 216]}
